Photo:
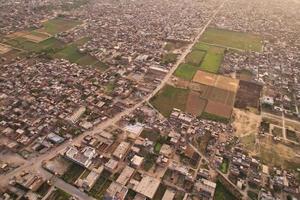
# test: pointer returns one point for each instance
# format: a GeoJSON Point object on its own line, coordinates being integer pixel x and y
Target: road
{"type": "Point", "coordinates": [34, 163]}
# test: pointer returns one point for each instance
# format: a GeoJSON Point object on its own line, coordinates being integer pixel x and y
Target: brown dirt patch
{"type": "Point", "coordinates": [195, 104]}
{"type": "Point", "coordinates": [218, 109]}
{"type": "Point", "coordinates": [205, 78]}
{"type": "Point", "coordinates": [227, 83]}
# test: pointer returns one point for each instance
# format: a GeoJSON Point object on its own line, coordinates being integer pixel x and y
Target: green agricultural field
{"type": "Point", "coordinates": [213, 57]}
{"type": "Point", "coordinates": [186, 71]}
{"type": "Point", "coordinates": [195, 57]}
{"type": "Point", "coordinates": [168, 98]}
{"type": "Point", "coordinates": [23, 43]}
{"type": "Point", "coordinates": [232, 39]}
{"type": "Point", "coordinates": [70, 53]}
{"type": "Point", "coordinates": [58, 25]}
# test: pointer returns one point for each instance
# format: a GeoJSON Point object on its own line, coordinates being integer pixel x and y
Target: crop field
{"type": "Point", "coordinates": [232, 39]}
{"type": "Point", "coordinates": [195, 57]}
{"type": "Point", "coordinates": [218, 109]}
{"type": "Point", "coordinates": [195, 104]}
{"type": "Point", "coordinates": [12, 54]}
{"type": "Point", "coordinates": [248, 95]}
{"type": "Point", "coordinates": [213, 57]}
{"type": "Point", "coordinates": [58, 25]}
{"type": "Point", "coordinates": [168, 98]}
{"type": "Point", "coordinates": [186, 71]}
{"type": "Point", "coordinates": [36, 37]}
{"type": "Point", "coordinates": [25, 44]}
{"type": "Point", "coordinates": [205, 78]}
{"type": "Point", "coordinates": [219, 95]}
{"type": "Point", "coordinates": [227, 83]}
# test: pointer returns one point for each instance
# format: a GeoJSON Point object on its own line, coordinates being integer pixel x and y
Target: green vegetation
{"type": "Point", "coordinates": [160, 192]}
{"type": "Point", "coordinates": [213, 57]}
{"type": "Point", "coordinates": [221, 193]}
{"type": "Point", "coordinates": [169, 58]}
{"type": "Point", "coordinates": [168, 98]}
{"type": "Point", "coordinates": [213, 117]}
{"type": "Point", "coordinates": [232, 39]}
{"type": "Point", "coordinates": [43, 189]}
{"type": "Point", "coordinates": [292, 135]}
{"type": "Point", "coordinates": [59, 194]}
{"type": "Point", "coordinates": [149, 161]}
{"type": "Point", "coordinates": [277, 131]}
{"type": "Point", "coordinates": [224, 166]}
{"type": "Point", "coordinates": [195, 57]}
{"type": "Point", "coordinates": [58, 25]}
{"type": "Point", "coordinates": [157, 147]}
{"type": "Point", "coordinates": [203, 141]}
{"type": "Point", "coordinates": [252, 195]}
{"type": "Point", "coordinates": [70, 53]}
{"type": "Point", "coordinates": [186, 71]}
{"type": "Point", "coordinates": [73, 173]}
{"type": "Point", "coordinates": [101, 185]}
{"type": "Point", "coordinates": [150, 134]}
{"type": "Point", "coordinates": [110, 87]}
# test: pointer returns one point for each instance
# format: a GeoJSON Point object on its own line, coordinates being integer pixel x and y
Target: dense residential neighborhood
{"type": "Point", "coordinates": [126, 99]}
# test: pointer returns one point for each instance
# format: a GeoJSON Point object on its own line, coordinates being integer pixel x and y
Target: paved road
{"type": "Point", "coordinates": [35, 163]}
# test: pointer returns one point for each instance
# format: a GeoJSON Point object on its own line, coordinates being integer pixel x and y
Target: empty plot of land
{"type": "Point", "coordinates": [195, 104]}
{"type": "Point", "coordinates": [227, 83]}
{"type": "Point", "coordinates": [205, 78]}
{"type": "Point", "coordinates": [168, 98]}
{"type": "Point", "coordinates": [4, 48]}
{"type": "Point", "coordinates": [232, 39]}
{"type": "Point", "coordinates": [218, 109]}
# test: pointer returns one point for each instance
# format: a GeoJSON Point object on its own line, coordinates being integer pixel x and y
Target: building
{"type": "Point", "coordinates": [121, 150]}
{"type": "Point", "coordinates": [206, 188]}
{"type": "Point", "coordinates": [83, 158]}
{"type": "Point", "coordinates": [147, 186]}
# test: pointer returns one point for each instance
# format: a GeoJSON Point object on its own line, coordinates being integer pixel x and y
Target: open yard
{"type": "Point", "coordinates": [59, 194]}
{"type": "Point", "coordinates": [168, 98]}
{"type": "Point", "coordinates": [73, 173]}
{"type": "Point", "coordinates": [101, 185]}
{"type": "Point", "coordinates": [232, 39]}
{"type": "Point", "coordinates": [221, 193]}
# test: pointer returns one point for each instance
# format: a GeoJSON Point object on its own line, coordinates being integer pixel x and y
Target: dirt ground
{"type": "Point", "coordinates": [4, 48]}
{"type": "Point", "coordinates": [218, 109]}
{"type": "Point", "coordinates": [227, 83]}
{"type": "Point", "coordinates": [277, 154]}
{"type": "Point", "coordinates": [195, 105]}
{"type": "Point", "coordinates": [35, 38]}
{"type": "Point", "coordinates": [205, 78]}
{"type": "Point", "coordinates": [58, 165]}
{"type": "Point", "coordinates": [245, 122]}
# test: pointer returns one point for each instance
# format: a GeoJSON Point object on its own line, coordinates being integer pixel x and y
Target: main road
{"type": "Point", "coordinates": [34, 164]}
